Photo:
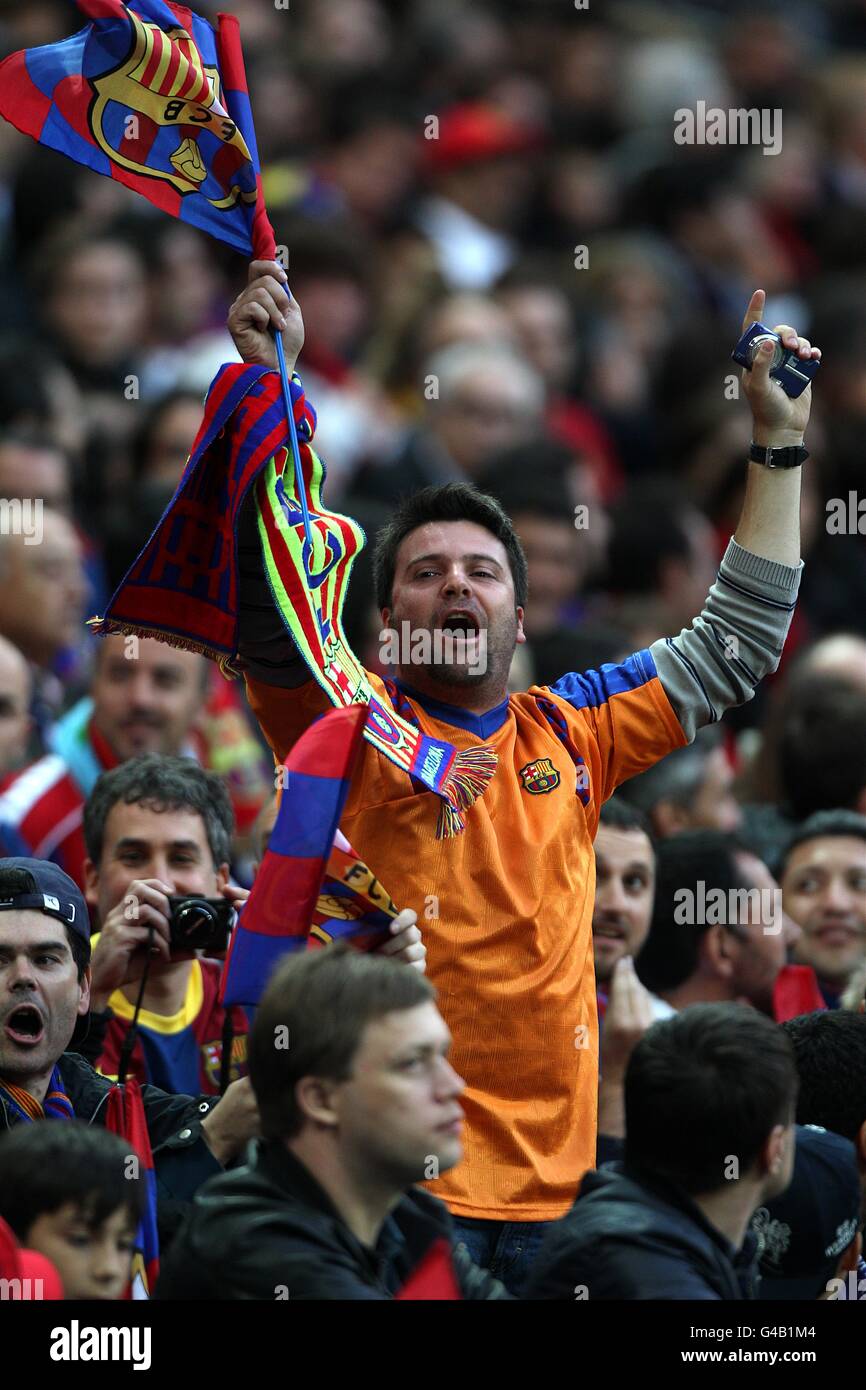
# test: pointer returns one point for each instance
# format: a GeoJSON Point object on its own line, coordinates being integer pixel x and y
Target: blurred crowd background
{"type": "Point", "coordinates": [509, 272]}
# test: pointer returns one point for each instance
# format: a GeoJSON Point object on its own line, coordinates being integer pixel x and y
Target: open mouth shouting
{"type": "Point", "coordinates": [461, 622]}
{"type": "Point", "coordinates": [24, 1025]}
{"type": "Point", "coordinates": [464, 634]}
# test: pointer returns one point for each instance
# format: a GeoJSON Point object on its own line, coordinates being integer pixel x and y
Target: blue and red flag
{"type": "Point", "coordinates": [125, 1116]}
{"type": "Point", "coordinates": [352, 904]}
{"type": "Point", "coordinates": [154, 96]}
{"type": "Point", "coordinates": [282, 907]}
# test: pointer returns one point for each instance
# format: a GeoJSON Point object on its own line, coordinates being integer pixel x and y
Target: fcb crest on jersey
{"type": "Point", "coordinates": [539, 777]}
{"type": "Point", "coordinates": [211, 1055]}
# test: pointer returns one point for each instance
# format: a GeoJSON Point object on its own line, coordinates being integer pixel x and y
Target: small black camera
{"type": "Point", "coordinates": [199, 924]}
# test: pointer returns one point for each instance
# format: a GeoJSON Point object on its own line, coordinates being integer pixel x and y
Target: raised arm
{"type": "Point", "coordinates": [769, 525]}
{"type": "Point", "coordinates": [738, 637]}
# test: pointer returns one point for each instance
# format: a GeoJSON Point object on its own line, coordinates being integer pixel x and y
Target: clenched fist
{"type": "Point", "coordinates": [263, 306]}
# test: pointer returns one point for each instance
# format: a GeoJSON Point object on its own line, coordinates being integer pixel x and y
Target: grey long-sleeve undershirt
{"type": "Point", "coordinates": [735, 641]}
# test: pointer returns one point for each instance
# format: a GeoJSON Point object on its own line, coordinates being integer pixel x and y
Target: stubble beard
{"type": "Point", "coordinates": [465, 675]}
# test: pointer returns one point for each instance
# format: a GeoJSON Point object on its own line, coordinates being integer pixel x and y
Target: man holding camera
{"type": "Point", "coordinates": [158, 828]}
{"type": "Point", "coordinates": [158, 831]}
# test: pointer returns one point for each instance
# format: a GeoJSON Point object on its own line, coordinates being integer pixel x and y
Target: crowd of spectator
{"type": "Point", "coordinates": [510, 277]}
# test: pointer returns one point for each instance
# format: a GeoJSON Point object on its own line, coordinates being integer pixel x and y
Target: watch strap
{"type": "Point", "coordinates": [791, 456]}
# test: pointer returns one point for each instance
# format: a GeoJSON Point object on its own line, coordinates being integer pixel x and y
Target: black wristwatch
{"type": "Point", "coordinates": [792, 456]}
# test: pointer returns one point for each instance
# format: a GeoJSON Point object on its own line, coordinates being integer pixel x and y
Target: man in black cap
{"type": "Point", "coordinates": [45, 1000]}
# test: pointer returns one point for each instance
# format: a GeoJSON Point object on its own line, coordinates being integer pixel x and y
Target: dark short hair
{"type": "Point", "coordinates": [325, 999]}
{"type": "Point", "coordinates": [822, 824]}
{"type": "Point", "coordinates": [822, 749]}
{"type": "Point", "coordinates": [81, 951]}
{"type": "Point", "coordinates": [79, 945]}
{"type": "Point", "coordinates": [162, 782]}
{"type": "Point", "coordinates": [830, 1052]}
{"type": "Point", "coordinates": [703, 1087]}
{"type": "Point", "coordinates": [45, 1165]}
{"type": "Point", "coordinates": [670, 953]}
{"type": "Point", "coordinates": [451, 502]}
{"type": "Point", "coordinates": [618, 814]}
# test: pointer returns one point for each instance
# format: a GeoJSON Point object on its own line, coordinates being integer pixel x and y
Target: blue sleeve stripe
{"type": "Point", "coordinates": [593, 688]}
{"type": "Point", "coordinates": [756, 598]}
{"type": "Point", "coordinates": [693, 672]}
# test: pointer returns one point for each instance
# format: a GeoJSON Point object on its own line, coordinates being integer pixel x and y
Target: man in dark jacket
{"type": "Point", "coordinates": [349, 1064]}
{"type": "Point", "coordinates": [709, 1101]}
{"type": "Point", "coordinates": [45, 996]}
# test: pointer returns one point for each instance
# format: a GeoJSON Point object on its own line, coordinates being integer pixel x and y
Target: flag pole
{"type": "Point", "coordinates": [296, 453]}
{"type": "Point", "coordinates": [263, 244]}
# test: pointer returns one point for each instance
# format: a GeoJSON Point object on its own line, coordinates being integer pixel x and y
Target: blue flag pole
{"type": "Point", "coordinates": [296, 453]}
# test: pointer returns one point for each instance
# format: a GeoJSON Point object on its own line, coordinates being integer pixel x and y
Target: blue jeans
{"type": "Point", "coordinates": [505, 1248]}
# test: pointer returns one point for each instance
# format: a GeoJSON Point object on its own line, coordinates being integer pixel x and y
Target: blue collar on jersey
{"type": "Point", "coordinates": [481, 724]}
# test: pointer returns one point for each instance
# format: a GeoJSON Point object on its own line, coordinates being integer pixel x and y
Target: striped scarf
{"type": "Point", "coordinates": [56, 1106]}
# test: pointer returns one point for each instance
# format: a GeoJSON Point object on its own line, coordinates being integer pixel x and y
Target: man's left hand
{"type": "Point", "coordinates": [405, 945]}
{"type": "Point", "coordinates": [232, 1122]}
{"type": "Point", "coordinates": [778, 419]}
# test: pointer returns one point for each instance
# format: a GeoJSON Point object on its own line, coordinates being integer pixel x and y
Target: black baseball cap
{"type": "Point", "coordinates": [804, 1232]}
{"type": "Point", "coordinates": [43, 887]}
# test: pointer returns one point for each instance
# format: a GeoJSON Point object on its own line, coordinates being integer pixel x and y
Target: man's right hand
{"type": "Point", "coordinates": [264, 305]}
{"type": "Point", "coordinates": [123, 941]}
{"type": "Point", "coordinates": [629, 1014]}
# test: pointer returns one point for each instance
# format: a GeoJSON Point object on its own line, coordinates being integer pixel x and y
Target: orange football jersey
{"type": "Point", "coordinates": [506, 909]}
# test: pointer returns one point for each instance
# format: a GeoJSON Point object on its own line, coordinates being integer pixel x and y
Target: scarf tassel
{"type": "Point", "coordinates": [468, 779]}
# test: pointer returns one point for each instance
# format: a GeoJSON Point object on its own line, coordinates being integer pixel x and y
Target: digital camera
{"type": "Point", "coordinates": [793, 373]}
{"type": "Point", "coordinates": [199, 924]}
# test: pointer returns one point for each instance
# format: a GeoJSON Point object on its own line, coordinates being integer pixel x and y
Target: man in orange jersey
{"type": "Point", "coordinates": [506, 906]}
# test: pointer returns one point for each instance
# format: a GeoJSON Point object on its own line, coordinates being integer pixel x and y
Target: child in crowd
{"type": "Point", "coordinates": [71, 1192]}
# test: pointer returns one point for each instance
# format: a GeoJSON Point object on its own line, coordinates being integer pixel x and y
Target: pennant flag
{"type": "Point", "coordinates": [125, 1116]}
{"type": "Point", "coordinates": [152, 95]}
{"type": "Point", "coordinates": [277, 915]}
{"type": "Point", "coordinates": [434, 1279]}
